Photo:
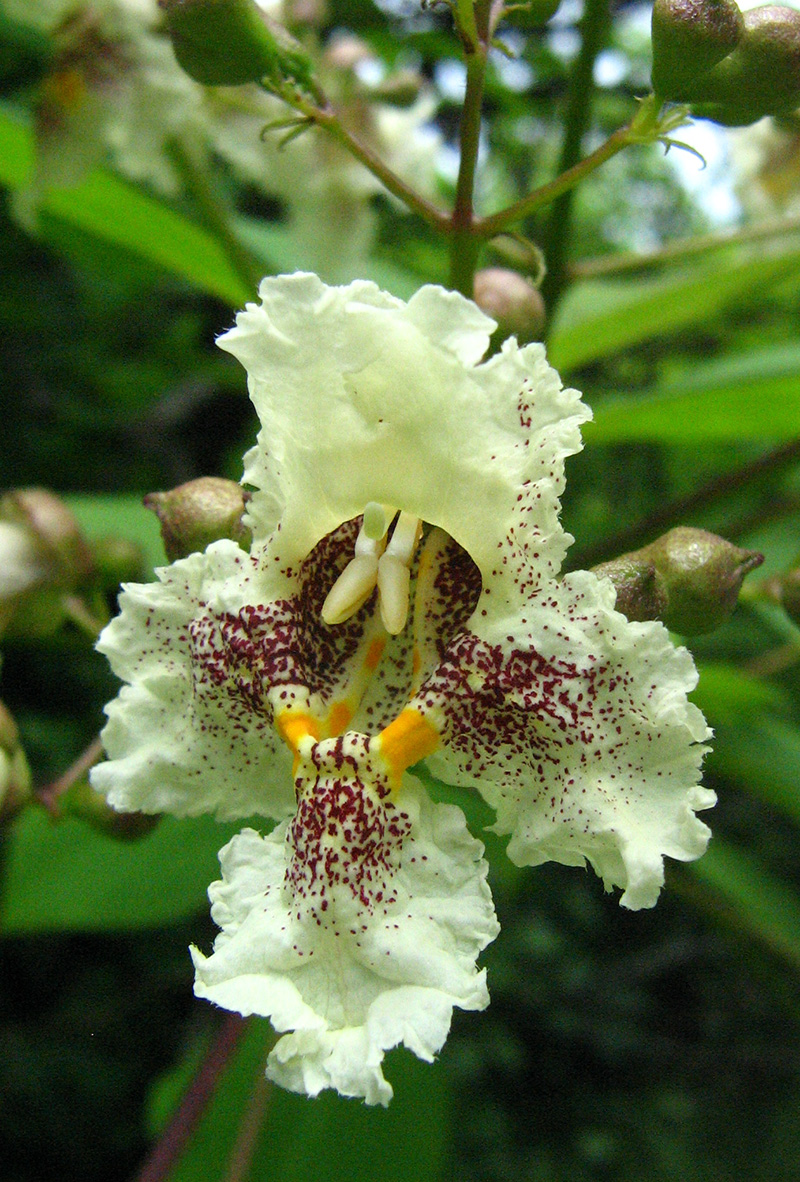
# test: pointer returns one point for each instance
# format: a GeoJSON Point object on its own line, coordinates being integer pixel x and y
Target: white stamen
{"type": "Point", "coordinates": [357, 581]}
{"type": "Point", "coordinates": [377, 519]}
{"type": "Point", "coordinates": [352, 589]}
{"type": "Point", "coordinates": [404, 540]}
{"type": "Point", "coordinates": [394, 575]}
{"type": "Point", "coordinates": [393, 583]}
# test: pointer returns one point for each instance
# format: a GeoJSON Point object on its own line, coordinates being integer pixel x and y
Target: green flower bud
{"type": "Point", "coordinates": [689, 37]}
{"type": "Point", "coordinates": [641, 594]}
{"type": "Point", "coordinates": [231, 42]}
{"type": "Point", "coordinates": [785, 590]}
{"type": "Point", "coordinates": [195, 514]}
{"type": "Point", "coordinates": [43, 557]}
{"type": "Point", "coordinates": [688, 578]}
{"type": "Point", "coordinates": [512, 301]}
{"type": "Point", "coordinates": [118, 560]}
{"type": "Point", "coordinates": [15, 775]}
{"type": "Point", "coordinates": [760, 77]}
{"type": "Point", "coordinates": [80, 800]}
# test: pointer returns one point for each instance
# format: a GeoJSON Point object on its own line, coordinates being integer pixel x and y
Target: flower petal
{"type": "Point", "coordinates": [193, 731]}
{"type": "Point", "coordinates": [356, 926]}
{"type": "Point", "coordinates": [574, 724]}
{"type": "Point", "coordinates": [364, 398]}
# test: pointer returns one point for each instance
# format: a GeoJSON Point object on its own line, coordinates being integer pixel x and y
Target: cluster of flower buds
{"type": "Point", "coordinates": [43, 558]}
{"type": "Point", "coordinates": [232, 42]}
{"type": "Point", "coordinates": [731, 67]}
{"type": "Point", "coordinates": [688, 578]}
{"type": "Point", "coordinates": [200, 512]}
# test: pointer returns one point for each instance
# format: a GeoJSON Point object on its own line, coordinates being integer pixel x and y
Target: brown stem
{"type": "Point", "coordinates": [49, 795]}
{"type": "Point", "coordinates": [676, 511]}
{"type": "Point", "coordinates": [172, 1143]}
{"type": "Point", "coordinates": [241, 1158]}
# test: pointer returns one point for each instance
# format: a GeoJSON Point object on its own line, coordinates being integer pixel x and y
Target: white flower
{"type": "Point", "coordinates": [399, 603]}
{"type": "Point", "coordinates": [389, 909]}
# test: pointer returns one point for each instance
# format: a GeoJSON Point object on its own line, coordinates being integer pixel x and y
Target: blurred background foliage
{"type": "Point", "coordinates": [617, 1046]}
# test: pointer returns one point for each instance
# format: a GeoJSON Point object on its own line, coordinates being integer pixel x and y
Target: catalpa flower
{"type": "Point", "coordinates": [399, 604]}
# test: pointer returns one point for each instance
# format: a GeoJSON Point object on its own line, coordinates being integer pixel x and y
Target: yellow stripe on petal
{"type": "Point", "coordinates": [294, 726]}
{"type": "Point", "coordinates": [406, 740]}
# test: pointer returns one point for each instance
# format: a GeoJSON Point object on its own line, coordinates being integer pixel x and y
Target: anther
{"type": "Point", "coordinates": [394, 575]}
{"type": "Point", "coordinates": [356, 582]}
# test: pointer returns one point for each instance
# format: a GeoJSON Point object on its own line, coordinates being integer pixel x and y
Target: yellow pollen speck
{"type": "Point", "coordinates": [406, 740]}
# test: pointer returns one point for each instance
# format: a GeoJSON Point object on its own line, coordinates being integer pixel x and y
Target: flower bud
{"type": "Point", "coordinates": [689, 37]}
{"type": "Point", "coordinates": [785, 590]}
{"type": "Point", "coordinates": [641, 594]}
{"type": "Point", "coordinates": [760, 77]}
{"type": "Point", "coordinates": [688, 578]}
{"type": "Point", "coordinates": [118, 560]}
{"type": "Point", "coordinates": [512, 301]}
{"type": "Point", "coordinates": [81, 800]}
{"type": "Point", "coordinates": [15, 775]}
{"type": "Point", "coordinates": [231, 42]}
{"type": "Point", "coordinates": [43, 556]}
{"type": "Point", "coordinates": [200, 512]}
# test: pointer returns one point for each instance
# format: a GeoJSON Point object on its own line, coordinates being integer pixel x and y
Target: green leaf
{"type": "Point", "coordinates": [113, 210]}
{"type": "Point", "coordinates": [119, 516]}
{"type": "Point", "coordinates": [763, 756]}
{"type": "Point", "coordinates": [65, 876]}
{"type": "Point", "coordinates": [598, 318]}
{"type": "Point", "coordinates": [325, 1140]}
{"type": "Point", "coordinates": [762, 904]}
{"type": "Point", "coordinates": [755, 396]}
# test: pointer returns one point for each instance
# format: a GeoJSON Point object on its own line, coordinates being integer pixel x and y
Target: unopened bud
{"type": "Point", "coordinates": [641, 594]}
{"type": "Point", "coordinates": [195, 514]}
{"type": "Point", "coordinates": [232, 42]}
{"type": "Point", "coordinates": [512, 301]}
{"type": "Point", "coordinates": [43, 557]}
{"type": "Point", "coordinates": [688, 578]}
{"type": "Point", "coordinates": [785, 590]}
{"type": "Point", "coordinates": [81, 800]}
{"type": "Point", "coordinates": [401, 89]}
{"type": "Point", "coordinates": [53, 529]}
{"type": "Point", "coordinates": [118, 560]}
{"type": "Point", "coordinates": [689, 37]}
{"type": "Point", "coordinates": [760, 77]}
{"type": "Point", "coordinates": [15, 775]}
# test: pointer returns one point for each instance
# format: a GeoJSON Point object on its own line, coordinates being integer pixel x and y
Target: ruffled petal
{"type": "Point", "coordinates": [574, 724]}
{"type": "Point", "coordinates": [193, 730]}
{"type": "Point", "coordinates": [356, 926]}
{"type": "Point", "coordinates": [362, 398]}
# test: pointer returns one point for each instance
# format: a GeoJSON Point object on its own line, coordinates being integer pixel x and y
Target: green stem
{"type": "Point", "coordinates": [678, 251]}
{"type": "Point", "coordinates": [214, 214]}
{"type": "Point", "coordinates": [464, 242]}
{"type": "Point", "coordinates": [326, 117]}
{"type": "Point", "coordinates": [496, 223]}
{"type": "Point", "coordinates": [594, 26]}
